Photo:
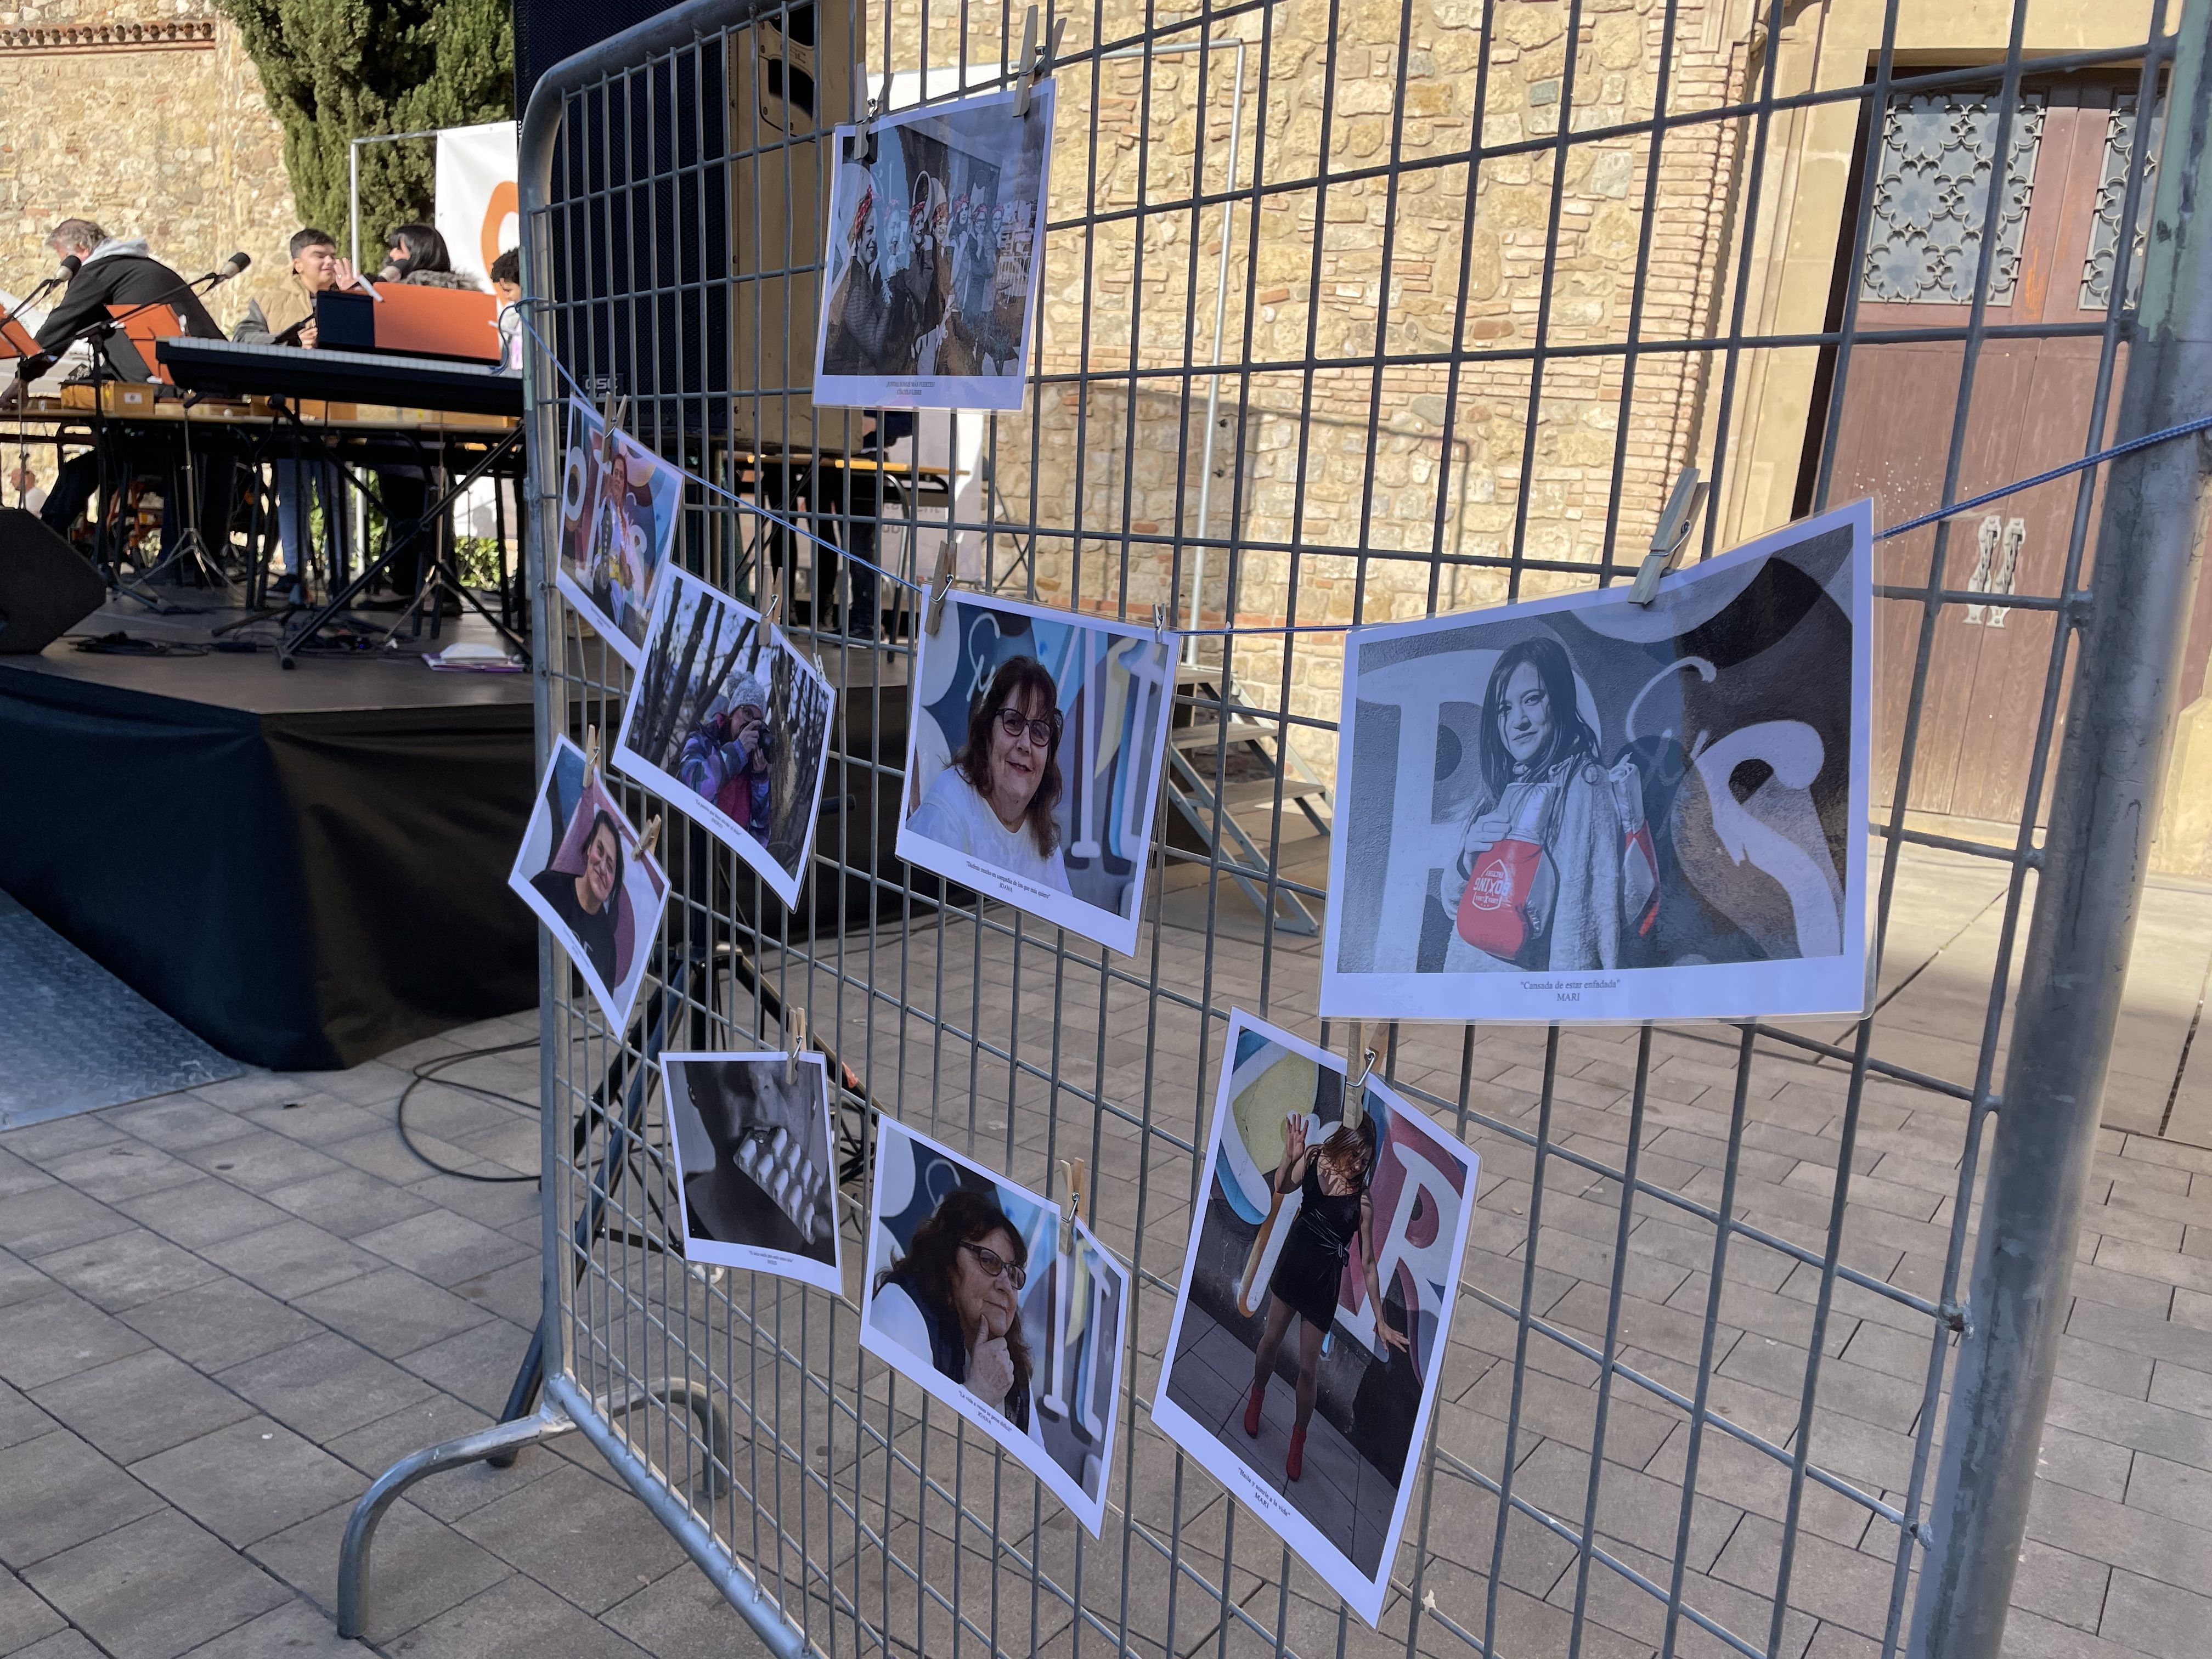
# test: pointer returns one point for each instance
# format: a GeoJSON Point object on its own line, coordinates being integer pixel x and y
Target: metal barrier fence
{"type": "Point", "coordinates": [1355, 311]}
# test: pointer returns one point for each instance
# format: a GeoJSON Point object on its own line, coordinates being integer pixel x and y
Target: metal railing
{"type": "Point", "coordinates": [1700, 1346]}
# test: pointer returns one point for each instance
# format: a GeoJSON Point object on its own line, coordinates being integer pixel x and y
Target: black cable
{"type": "Point", "coordinates": [120, 644]}
{"type": "Point", "coordinates": [429, 1071]}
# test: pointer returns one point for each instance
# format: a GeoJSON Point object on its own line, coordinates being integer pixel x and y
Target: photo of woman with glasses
{"type": "Point", "coordinates": [975, 1290]}
{"type": "Point", "coordinates": [1034, 749]}
{"type": "Point", "coordinates": [995, 801]}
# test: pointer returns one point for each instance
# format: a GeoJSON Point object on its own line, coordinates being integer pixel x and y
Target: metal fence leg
{"type": "Point", "coordinates": [2102, 815]}
{"type": "Point", "coordinates": [354, 1563]}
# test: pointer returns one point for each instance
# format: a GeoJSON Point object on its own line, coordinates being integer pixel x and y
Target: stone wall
{"type": "Point", "coordinates": [148, 117]}
{"type": "Point", "coordinates": [1347, 461]}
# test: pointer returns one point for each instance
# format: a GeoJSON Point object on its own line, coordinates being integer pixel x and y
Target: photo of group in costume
{"type": "Point", "coordinates": [976, 1289]}
{"type": "Point", "coordinates": [727, 722]}
{"type": "Point", "coordinates": [1033, 760]}
{"type": "Point", "coordinates": [1586, 809]}
{"type": "Point", "coordinates": [1316, 1303]}
{"type": "Point", "coordinates": [937, 227]}
{"type": "Point", "coordinates": [620, 508]}
{"type": "Point", "coordinates": [750, 1138]}
{"type": "Point", "coordinates": [582, 870]}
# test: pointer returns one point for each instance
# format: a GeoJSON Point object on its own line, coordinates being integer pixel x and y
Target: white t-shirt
{"type": "Point", "coordinates": [953, 815]}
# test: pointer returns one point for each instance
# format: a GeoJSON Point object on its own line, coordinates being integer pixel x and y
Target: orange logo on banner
{"type": "Point", "coordinates": [503, 202]}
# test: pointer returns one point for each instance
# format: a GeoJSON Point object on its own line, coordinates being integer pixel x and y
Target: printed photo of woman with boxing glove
{"type": "Point", "coordinates": [1541, 859]}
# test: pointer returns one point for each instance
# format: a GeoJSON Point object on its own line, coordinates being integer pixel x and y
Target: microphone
{"type": "Point", "coordinates": [233, 266]}
{"type": "Point", "coordinates": [71, 265]}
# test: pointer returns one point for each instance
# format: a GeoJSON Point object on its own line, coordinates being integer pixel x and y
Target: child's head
{"type": "Point", "coordinates": [506, 277]}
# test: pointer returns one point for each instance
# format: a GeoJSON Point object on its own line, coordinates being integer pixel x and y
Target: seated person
{"type": "Point", "coordinates": [506, 287]}
{"type": "Point", "coordinates": [415, 254]}
{"type": "Point", "coordinates": [287, 317]}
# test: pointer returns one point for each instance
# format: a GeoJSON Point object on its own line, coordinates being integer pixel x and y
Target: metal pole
{"type": "Point", "coordinates": [2104, 811]}
{"type": "Point", "coordinates": [353, 181]}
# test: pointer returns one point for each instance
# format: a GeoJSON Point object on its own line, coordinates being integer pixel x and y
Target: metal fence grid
{"type": "Point", "coordinates": [1693, 1400]}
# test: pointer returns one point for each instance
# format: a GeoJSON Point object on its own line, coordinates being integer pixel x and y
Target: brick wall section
{"type": "Point", "coordinates": [147, 115]}
{"type": "Point", "coordinates": [1356, 460]}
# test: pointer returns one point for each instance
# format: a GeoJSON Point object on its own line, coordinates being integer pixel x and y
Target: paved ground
{"type": "Point", "coordinates": [222, 1311]}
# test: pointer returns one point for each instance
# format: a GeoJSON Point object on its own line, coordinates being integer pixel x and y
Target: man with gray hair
{"type": "Point", "coordinates": [107, 271]}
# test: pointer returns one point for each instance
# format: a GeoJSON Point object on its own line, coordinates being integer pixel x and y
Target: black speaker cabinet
{"type": "Point", "coordinates": [46, 586]}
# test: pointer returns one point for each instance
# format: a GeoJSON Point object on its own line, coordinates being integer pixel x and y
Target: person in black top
{"type": "Point", "coordinates": [586, 903]}
{"type": "Point", "coordinates": [1334, 1208]}
{"type": "Point", "coordinates": [111, 273]}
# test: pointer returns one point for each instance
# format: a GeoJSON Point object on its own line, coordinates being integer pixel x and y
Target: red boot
{"type": "Point", "coordinates": [1295, 1464]}
{"type": "Point", "coordinates": [1252, 1409]}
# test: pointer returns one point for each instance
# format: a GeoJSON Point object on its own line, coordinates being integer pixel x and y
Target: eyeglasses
{"type": "Point", "coordinates": [994, 1264]}
{"type": "Point", "coordinates": [1013, 723]}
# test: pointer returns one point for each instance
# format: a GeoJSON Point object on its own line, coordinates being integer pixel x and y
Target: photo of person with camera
{"type": "Point", "coordinates": [730, 726]}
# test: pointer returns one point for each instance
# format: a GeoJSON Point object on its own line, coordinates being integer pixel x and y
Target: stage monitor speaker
{"type": "Point", "coordinates": [45, 585]}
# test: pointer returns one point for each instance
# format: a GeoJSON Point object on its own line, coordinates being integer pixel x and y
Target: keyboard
{"type": "Point", "coordinates": [225, 368]}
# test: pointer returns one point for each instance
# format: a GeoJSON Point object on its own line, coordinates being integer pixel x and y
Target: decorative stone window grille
{"type": "Point", "coordinates": [1939, 153]}
{"type": "Point", "coordinates": [2111, 198]}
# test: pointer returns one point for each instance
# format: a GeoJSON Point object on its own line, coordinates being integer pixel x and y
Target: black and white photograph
{"type": "Point", "coordinates": [621, 505]}
{"type": "Point", "coordinates": [752, 1139]}
{"type": "Point", "coordinates": [1033, 760]}
{"type": "Point", "coordinates": [582, 870]}
{"type": "Point", "coordinates": [969, 1292]}
{"type": "Point", "coordinates": [1317, 1301]}
{"type": "Point", "coordinates": [729, 723]}
{"type": "Point", "coordinates": [1585, 809]}
{"type": "Point", "coordinates": [936, 235]}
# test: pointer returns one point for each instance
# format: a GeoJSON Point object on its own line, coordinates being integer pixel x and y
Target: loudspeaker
{"type": "Point", "coordinates": [45, 585]}
{"type": "Point", "coordinates": [546, 31]}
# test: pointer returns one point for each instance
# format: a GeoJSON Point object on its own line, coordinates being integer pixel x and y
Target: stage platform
{"type": "Point", "coordinates": [305, 869]}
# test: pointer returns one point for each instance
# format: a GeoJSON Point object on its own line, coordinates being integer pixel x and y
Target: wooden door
{"type": "Point", "coordinates": [2030, 405]}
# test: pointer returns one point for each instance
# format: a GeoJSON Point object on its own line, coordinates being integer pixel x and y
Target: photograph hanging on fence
{"type": "Point", "coordinates": [620, 506]}
{"type": "Point", "coordinates": [1033, 760]}
{"type": "Point", "coordinates": [1585, 809]}
{"type": "Point", "coordinates": [936, 232]}
{"type": "Point", "coordinates": [731, 725]}
{"type": "Point", "coordinates": [1315, 1303]}
{"type": "Point", "coordinates": [582, 871]}
{"type": "Point", "coordinates": [969, 1293]}
{"type": "Point", "coordinates": [753, 1146]}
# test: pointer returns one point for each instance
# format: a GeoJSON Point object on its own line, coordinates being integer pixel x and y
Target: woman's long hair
{"type": "Point", "coordinates": [1570, 734]}
{"type": "Point", "coordinates": [925, 1272]}
{"type": "Point", "coordinates": [1351, 1153]}
{"type": "Point", "coordinates": [1017, 677]}
{"type": "Point", "coordinates": [426, 249]}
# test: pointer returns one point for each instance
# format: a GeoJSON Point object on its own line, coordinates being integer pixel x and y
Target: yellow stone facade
{"type": "Point", "coordinates": [145, 116]}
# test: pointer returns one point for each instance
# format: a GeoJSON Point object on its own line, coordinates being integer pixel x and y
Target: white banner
{"type": "Point", "coordinates": [476, 210]}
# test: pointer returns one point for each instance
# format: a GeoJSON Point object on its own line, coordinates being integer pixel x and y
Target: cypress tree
{"type": "Point", "coordinates": [336, 70]}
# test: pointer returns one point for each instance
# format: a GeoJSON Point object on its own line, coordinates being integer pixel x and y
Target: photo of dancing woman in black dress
{"type": "Point", "coordinates": [1332, 1180]}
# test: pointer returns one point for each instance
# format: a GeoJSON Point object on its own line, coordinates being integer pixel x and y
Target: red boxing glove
{"type": "Point", "coordinates": [1507, 901]}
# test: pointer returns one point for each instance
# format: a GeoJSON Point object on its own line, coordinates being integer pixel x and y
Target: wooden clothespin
{"type": "Point", "coordinates": [650, 838]}
{"type": "Point", "coordinates": [773, 607]}
{"type": "Point", "coordinates": [1667, 540]}
{"type": "Point", "coordinates": [1074, 1175]}
{"type": "Point", "coordinates": [939, 585]}
{"type": "Point", "coordinates": [590, 754]}
{"type": "Point", "coordinates": [1032, 64]}
{"type": "Point", "coordinates": [794, 1030]}
{"type": "Point", "coordinates": [1355, 1086]}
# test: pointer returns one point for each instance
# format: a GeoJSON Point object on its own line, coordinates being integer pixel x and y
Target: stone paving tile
{"type": "Point", "coordinates": [155, 1589]}
{"type": "Point", "coordinates": [442, 1247]}
{"type": "Point", "coordinates": [20, 1419]}
{"type": "Point", "coordinates": [61, 1492]}
{"type": "Point", "coordinates": [20, 1282]}
{"type": "Point", "coordinates": [345, 1200]}
{"type": "Point", "coordinates": [218, 1324]}
{"type": "Point", "coordinates": [296, 1630]}
{"type": "Point", "coordinates": [517, 1618]}
{"type": "Point", "coordinates": [143, 1403]}
{"type": "Point", "coordinates": [25, 1615]}
{"type": "Point", "coordinates": [124, 1269]}
{"type": "Point", "coordinates": [176, 1123]}
{"type": "Point", "coordinates": [423, 1567]}
{"type": "Point", "coordinates": [205, 1212]}
{"type": "Point", "coordinates": [64, 1644]}
{"type": "Point", "coordinates": [392, 1312]}
{"type": "Point", "coordinates": [577, 1533]}
{"type": "Point", "coordinates": [324, 1387]}
{"type": "Point", "coordinates": [290, 1260]}
{"type": "Point", "coordinates": [55, 1336]}
{"type": "Point", "coordinates": [244, 1482]}
{"type": "Point", "coordinates": [53, 1218]}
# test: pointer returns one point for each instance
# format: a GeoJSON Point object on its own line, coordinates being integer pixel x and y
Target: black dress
{"type": "Point", "coordinates": [1311, 1267]}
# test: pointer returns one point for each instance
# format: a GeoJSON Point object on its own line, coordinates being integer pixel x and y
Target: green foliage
{"type": "Point", "coordinates": [336, 70]}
